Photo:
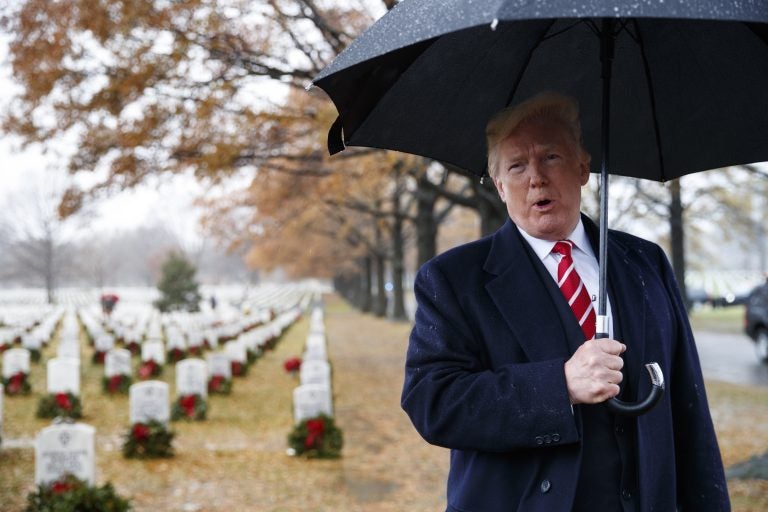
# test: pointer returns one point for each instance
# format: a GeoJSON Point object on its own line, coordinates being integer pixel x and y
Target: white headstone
{"type": "Point", "coordinates": [154, 350]}
{"type": "Point", "coordinates": [195, 339]}
{"type": "Point", "coordinates": [315, 349]}
{"type": "Point", "coordinates": [15, 360]}
{"type": "Point", "coordinates": [219, 364]}
{"type": "Point", "coordinates": [64, 375]}
{"type": "Point", "coordinates": [192, 377]}
{"type": "Point", "coordinates": [309, 400]}
{"type": "Point", "coordinates": [315, 372]}
{"type": "Point", "coordinates": [104, 343]}
{"type": "Point", "coordinates": [117, 362]}
{"type": "Point", "coordinates": [32, 341]}
{"type": "Point", "coordinates": [236, 352]}
{"type": "Point", "coordinates": [65, 449]}
{"type": "Point", "coordinates": [69, 348]}
{"type": "Point", "coordinates": [149, 400]}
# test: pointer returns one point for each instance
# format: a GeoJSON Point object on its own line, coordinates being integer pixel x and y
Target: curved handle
{"type": "Point", "coordinates": [657, 390]}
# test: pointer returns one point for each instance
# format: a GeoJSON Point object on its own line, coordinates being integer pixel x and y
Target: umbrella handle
{"type": "Point", "coordinates": [636, 409]}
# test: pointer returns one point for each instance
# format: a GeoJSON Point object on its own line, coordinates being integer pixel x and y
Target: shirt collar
{"type": "Point", "coordinates": [543, 248]}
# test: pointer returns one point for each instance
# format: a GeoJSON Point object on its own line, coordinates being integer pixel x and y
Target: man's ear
{"type": "Point", "coordinates": [499, 187]}
{"type": "Point", "coordinates": [584, 168]}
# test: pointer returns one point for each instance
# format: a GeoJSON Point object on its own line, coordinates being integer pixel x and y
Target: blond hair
{"type": "Point", "coordinates": [546, 105]}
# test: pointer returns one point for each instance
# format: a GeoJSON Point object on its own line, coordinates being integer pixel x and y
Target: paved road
{"type": "Point", "coordinates": [730, 357]}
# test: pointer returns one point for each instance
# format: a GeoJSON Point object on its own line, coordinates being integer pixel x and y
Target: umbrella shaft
{"type": "Point", "coordinates": [606, 58]}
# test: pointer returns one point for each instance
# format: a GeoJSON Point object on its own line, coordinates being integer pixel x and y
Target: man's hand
{"type": "Point", "coordinates": [593, 374]}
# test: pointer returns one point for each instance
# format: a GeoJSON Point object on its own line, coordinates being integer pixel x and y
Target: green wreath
{"type": "Point", "coordinates": [219, 385]}
{"type": "Point", "coordinates": [53, 405]}
{"type": "Point", "coordinates": [148, 441]}
{"type": "Point", "coordinates": [316, 438]}
{"type": "Point", "coordinates": [189, 407]}
{"type": "Point", "coordinates": [17, 384]}
{"type": "Point", "coordinates": [70, 494]}
{"type": "Point", "coordinates": [119, 383]}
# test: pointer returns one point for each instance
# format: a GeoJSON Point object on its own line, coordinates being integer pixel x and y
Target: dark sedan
{"type": "Point", "coordinates": [756, 320]}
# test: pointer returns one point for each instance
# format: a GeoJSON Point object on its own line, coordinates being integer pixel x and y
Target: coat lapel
{"type": "Point", "coordinates": [528, 298]}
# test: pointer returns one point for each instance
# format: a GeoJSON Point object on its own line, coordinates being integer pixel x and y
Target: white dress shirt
{"type": "Point", "coordinates": [583, 259]}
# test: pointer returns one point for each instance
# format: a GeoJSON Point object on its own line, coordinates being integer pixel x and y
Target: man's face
{"type": "Point", "coordinates": [539, 177]}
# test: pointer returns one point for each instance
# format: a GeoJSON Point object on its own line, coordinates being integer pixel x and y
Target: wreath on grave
{"type": "Point", "coordinates": [195, 350]}
{"type": "Point", "coordinates": [70, 494]}
{"type": "Point", "coordinates": [239, 369]}
{"type": "Point", "coordinates": [148, 441]}
{"type": "Point", "coordinates": [292, 365]}
{"type": "Point", "coordinates": [53, 405]}
{"type": "Point", "coordinates": [4, 346]}
{"type": "Point", "coordinates": [316, 438]}
{"type": "Point", "coordinates": [176, 354]}
{"type": "Point", "coordinates": [219, 385]}
{"type": "Point", "coordinates": [149, 369]}
{"type": "Point", "coordinates": [119, 383]}
{"type": "Point", "coordinates": [253, 355]}
{"type": "Point", "coordinates": [133, 346]}
{"type": "Point", "coordinates": [17, 384]}
{"type": "Point", "coordinates": [98, 357]}
{"type": "Point", "coordinates": [189, 407]}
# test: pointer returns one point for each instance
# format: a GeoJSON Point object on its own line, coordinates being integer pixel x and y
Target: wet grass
{"type": "Point", "coordinates": [728, 320]}
{"type": "Point", "coordinates": [236, 459]}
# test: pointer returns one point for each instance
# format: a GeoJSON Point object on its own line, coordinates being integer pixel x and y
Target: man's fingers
{"type": "Point", "coordinates": [610, 346]}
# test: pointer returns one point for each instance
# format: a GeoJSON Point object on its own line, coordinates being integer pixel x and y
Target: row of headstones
{"type": "Point", "coordinates": [194, 337]}
{"type": "Point", "coordinates": [117, 361]}
{"type": "Point", "coordinates": [314, 394]}
{"type": "Point", "coordinates": [194, 377]}
{"type": "Point", "coordinates": [184, 329]}
{"type": "Point", "coordinates": [33, 333]}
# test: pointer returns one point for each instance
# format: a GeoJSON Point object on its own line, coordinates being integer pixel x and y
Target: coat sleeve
{"type": "Point", "coordinates": [701, 483]}
{"type": "Point", "coordinates": [456, 400]}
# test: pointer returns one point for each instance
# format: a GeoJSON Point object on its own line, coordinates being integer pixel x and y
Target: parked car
{"type": "Point", "coordinates": [756, 320]}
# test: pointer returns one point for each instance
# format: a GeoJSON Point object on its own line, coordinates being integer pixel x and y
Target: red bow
{"type": "Point", "coordinates": [62, 400]}
{"type": "Point", "coordinates": [315, 429]}
{"type": "Point", "coordinates": [187, 403]}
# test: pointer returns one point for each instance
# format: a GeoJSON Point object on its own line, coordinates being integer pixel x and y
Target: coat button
{"type": "Point", "coordinates": [545, 486]}
{"type": "Point", "coordinates": [555, 438]}
{"type": "Point", "coordinates": [539, 440]}
{"type": "Point", "coordinates": [547, 439]}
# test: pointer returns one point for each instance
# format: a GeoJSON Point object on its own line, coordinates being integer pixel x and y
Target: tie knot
{"type": "Point", "coordinates": [563, 247]}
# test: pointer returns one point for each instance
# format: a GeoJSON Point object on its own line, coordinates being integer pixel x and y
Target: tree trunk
{"type": "Point", "coordinates": [398, 259]}
{"type": "Point", "coordinates": [380, 303]}
{"type": "Point", "coordinates": [677, 238]}
{"type": "Point", "coordinates": [366, 277]}
{"type": "Point", "coordinates": [426, 224]}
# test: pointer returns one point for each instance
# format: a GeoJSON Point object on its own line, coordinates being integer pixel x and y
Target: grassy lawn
{"type": "Point", "coordinates": [726, 320]}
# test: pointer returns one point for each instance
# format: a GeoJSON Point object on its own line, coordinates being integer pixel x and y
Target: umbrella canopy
{"type": "Point", "coordinates": [688, 92]}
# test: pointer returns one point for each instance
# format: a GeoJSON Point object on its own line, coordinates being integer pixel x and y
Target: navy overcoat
{"type": "Point", "coordinates": [485, 377]}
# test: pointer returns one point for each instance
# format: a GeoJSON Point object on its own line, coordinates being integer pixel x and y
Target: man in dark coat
{"type": "Point", "coordinates": [498, 369]}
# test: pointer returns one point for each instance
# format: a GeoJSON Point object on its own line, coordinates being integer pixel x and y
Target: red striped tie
{"type": "Point", "coordinates": [574, 290]}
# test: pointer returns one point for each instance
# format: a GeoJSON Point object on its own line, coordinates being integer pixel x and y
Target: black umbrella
{"type": "Point", "coordinates": [680, 86]}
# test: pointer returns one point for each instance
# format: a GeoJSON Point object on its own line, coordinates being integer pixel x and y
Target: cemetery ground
{"type": "Point", "coordinates": [236, 459]}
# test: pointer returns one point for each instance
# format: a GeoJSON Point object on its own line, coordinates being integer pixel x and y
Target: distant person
{"type": "Point", "coordinates": [108, 302]}
{"type": "Point", "coordinates": [213, 302]}
{"type": "Point", "coordinates": [503, 368]}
